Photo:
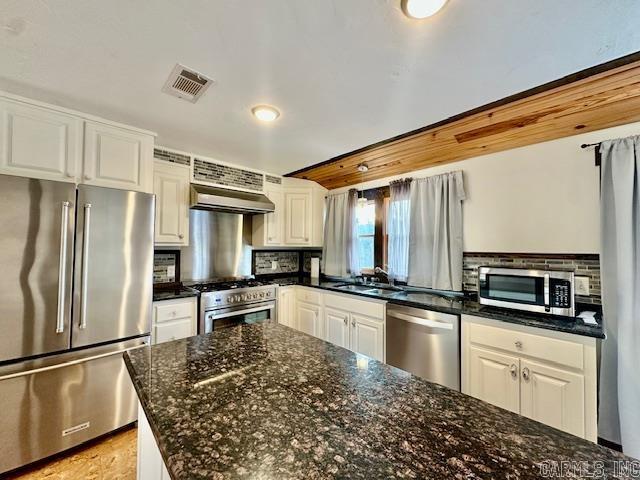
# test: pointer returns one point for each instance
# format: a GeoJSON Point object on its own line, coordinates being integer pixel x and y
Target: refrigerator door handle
{"type": "Point", "coordinates": [62, 269]}
{"type": "Point", "coordinates": [69, 363]}
{"type": "Point", "coordinates": [85, 265]}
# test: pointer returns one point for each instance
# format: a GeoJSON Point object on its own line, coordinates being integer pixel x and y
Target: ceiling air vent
{"type": "Point", "coordinates": [186, 83]}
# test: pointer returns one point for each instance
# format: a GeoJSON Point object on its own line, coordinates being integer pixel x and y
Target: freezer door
{"type": "Point", "coordinates": [36, 254]}
{"type": "Point", "coordinates": [113, 265]}
{"type": "Point", "coordinates": [60, 401]}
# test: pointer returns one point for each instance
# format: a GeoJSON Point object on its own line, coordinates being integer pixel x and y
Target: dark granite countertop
{"type": "Point", "coordinates": [174, 293]}
{"type": "Point", "coordinates": [268, 402]}
{"type": "Point", "coordinates": [458, 305]}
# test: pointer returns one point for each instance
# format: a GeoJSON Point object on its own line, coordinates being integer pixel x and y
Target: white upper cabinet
{"type": "Point", "coordinates": [49, 142]}
{"type": "Point", "coordinates": [39, 142]}
{"type": "Point", "coordinates": [117, 158]}
{"type": "Point", "coordinates": [298, 217]}
{"type": "Point", "coordinates": [171, 187]}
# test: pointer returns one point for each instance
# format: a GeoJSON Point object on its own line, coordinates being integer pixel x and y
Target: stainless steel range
{"type": "Point", "coordinates": [231, 303]}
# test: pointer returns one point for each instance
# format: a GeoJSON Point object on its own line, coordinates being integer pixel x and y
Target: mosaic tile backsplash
{"type": "Point", "coordinates": [584, 265]}
{"type": "Point", "coordinates": [172, 157]}
{"type": "Point", "coordinates": [288, 262]}
{"type": "Point", "coordinates": [162, 263]}
{"type": "Point", "coordinates": [226, 175]}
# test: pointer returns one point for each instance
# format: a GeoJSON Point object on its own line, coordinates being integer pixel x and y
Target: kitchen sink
{"type": "Point", "coordinates": [355, 288]}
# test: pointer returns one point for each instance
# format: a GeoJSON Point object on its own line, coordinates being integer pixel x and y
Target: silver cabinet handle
{"type": "Point", "coordinates": [180, 236]}
{"type": "Point", "coordinates": [353, 323]}
{"type": "Point", "coordinates": [346, 321]}
{"type": "Point", "coordinates": [525, 373]}
{"type": "Point", "coordinates": [514, 370]}
{"type": "Point", "coordinates": [62, 269]}
{"type": "Point", "coordinates": [85, 265]}
{"type": "Point", "coordinates": [518, 344]}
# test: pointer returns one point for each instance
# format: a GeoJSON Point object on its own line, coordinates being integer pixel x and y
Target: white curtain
{"type": "Point", "coordinates": [619, 412]}
{"type": "Point", "coordinates": [398, 228]}
{"type": "Point", "coordinates": [338, 246]}
{"type": "Point", "coordinates": [435, 238]}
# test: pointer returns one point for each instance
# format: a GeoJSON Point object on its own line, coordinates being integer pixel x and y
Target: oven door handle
{"type": "Point", "coordinates": [244, 311]}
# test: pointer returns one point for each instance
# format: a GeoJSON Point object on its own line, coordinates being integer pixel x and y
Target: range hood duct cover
{"type": "Point", "coordinates": [231, 201]}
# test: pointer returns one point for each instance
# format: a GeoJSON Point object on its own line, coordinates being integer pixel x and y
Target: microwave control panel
{"type": "Point", "coordinates": [560, 293]}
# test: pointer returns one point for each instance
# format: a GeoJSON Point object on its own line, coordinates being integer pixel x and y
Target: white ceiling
{"type": "Point", "coordinates": [344, 73]}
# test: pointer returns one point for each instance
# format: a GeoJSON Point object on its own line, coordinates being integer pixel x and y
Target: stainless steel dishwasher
{"type": "Point", "coordinates": [424, 343]}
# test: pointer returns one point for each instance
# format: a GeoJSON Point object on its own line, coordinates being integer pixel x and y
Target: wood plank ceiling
{"type": "Point", "coordinates": [596, 98]}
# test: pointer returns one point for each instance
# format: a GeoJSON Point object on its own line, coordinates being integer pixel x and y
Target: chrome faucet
{"type": "Point", "coordinates": [379, 271]}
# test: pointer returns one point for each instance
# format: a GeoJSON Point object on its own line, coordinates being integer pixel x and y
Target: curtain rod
{"type": "Point", "coordinates": [587, 145]}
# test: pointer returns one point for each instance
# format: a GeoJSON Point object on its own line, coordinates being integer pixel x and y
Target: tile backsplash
{"type": "Point", "coordinates": [164, 267]}
{"type": "Point", "coordinates": [226, 175]}
{"type": "Point", "coordinates": [288, 261]}
{"type": "Point", "coordinates": [587, 265]}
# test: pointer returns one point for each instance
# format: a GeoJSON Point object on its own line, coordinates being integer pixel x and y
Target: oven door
{"type": "Point", "coordinates": [231, 316]}
{"type": "Point", "coordinates": [520, 289]}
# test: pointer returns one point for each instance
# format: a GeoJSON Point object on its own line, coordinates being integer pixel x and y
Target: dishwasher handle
{"type": "Point", "coordinates": [422, 321]}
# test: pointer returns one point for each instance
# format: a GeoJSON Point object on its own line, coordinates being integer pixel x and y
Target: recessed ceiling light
{"type": "Point", "coordinates": [265, 113]}
{"type": "Point", "coordinates": [363, 167]}
{"type": "Point", "coordinates": [422, 8]}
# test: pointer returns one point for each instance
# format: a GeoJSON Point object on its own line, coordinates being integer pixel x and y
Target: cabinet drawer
{"type": "Point", "coordinates": [352, 303]}
{"type": "Point", "coordinates": [165, 332]}
{"type": "Point", "coordinates": [540, 347]}
{"type": "Point", "coordinates": [308, 295]}
{"type": "Point", "coordinates": [172, 310]}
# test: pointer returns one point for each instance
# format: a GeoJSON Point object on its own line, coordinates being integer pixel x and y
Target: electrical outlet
{"type": "Point", "coordinates": [171, 271]}
{"type": "Point", "coordinates": [274, 265]}
{"type": "Point", "coordinates": [582, 286]}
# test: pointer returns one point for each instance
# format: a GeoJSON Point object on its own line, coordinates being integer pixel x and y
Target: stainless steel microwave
{"type": "Point", "coordinates": [541, 291]}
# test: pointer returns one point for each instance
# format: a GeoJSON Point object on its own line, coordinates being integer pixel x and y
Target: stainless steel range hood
{"type": "Point", "coordinates": [231, 201]}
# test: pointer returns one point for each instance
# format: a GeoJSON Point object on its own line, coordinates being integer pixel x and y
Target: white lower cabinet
{"type": "Point", "coordinates": [337, 327]}
{"type": "Point", "coordinates": [342, 319]}
{"type": "Point", "coordinates": [367, 336]}
{"type": "Point", "coordinates": [308, 319]}
{"type": "Point", "coordinates": [541, 374]}
{"type": "Point", "coordinates": [286, 306]}
{"type": "Point", "coordinates": [174, 319]}
{"type": "Point", "coordinates": [150, 463]}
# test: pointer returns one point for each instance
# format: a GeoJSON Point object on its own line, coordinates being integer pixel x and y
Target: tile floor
{"type": "Point", "coordinates": [110, 458]}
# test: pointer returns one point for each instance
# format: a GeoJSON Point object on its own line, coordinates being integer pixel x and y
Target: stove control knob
{"type": "Point", "coordinates": [261, 294]}
{"type": "Point", "coordinates": [230, 299]}
{"type": "Point", "coordinates": [238, 298]}
{"type": "Point", "coordinates": [268, 294]}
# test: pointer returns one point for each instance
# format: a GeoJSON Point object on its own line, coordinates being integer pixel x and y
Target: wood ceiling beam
{"type": "Point", "coordinates": [599, 97]}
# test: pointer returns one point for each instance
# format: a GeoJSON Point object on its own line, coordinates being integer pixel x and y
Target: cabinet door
{"type": "Point", "coordinates": [308, 319]}
{"type": "Point", "coordinates": [298, 218]}
{"type": "Point", "coordinates": [39, 143]}
{"type": "Point", "coordinates": [553, 396]}
{"type": "Point", "coordinates": [336, 327]}
{"type": "Point", "coordinates": [494, 378]}
{"type": "Point", "coordinates": [165, 332]}
{"type": "Point", "coordinates": [171, 186]}
{"type": "Point", "coordinates": [274, 221]}
{"type": "Point", "coordinates": [367, 336]}
{"type": "Point", "coordinates": [117, 158]}
{"type": "Point", "coordinates": [286, 299]}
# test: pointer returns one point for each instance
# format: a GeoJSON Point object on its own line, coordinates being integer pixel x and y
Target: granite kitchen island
{"type": "Point", "coordinates": [265, 401]}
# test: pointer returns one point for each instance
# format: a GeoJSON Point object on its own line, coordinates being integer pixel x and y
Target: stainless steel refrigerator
{"type": "Point", "coordinates": [76, 273]}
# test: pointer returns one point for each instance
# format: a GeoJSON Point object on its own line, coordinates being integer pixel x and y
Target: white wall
{"type": "Point", "coordinates": [542, 198]}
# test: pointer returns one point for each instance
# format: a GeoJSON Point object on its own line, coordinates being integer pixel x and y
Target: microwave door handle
{"type": "Point", "coordinates": [546, 290]}
{"type": "Point", "coordinates": [240, 312]}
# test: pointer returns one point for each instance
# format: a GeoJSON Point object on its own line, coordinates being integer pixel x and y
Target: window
{"type": "Point", "coordinates": [366, 230]}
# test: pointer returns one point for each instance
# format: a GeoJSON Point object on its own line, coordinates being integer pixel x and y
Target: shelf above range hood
{"type": "Point", "coordinates": [230, 201]}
